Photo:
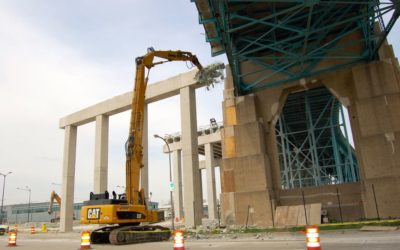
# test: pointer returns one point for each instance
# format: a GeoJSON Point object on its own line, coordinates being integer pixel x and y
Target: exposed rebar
{"type": "Point", "coordinates": [211, 74]}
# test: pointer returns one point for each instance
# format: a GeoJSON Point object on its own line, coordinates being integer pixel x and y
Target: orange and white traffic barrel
{"type": "Point", "coordinates": [12, 239]}
{"type": "Point", "coordinates": [178, 241]}
{"type": "Point", "coordinates": [313, 241]}
{"type": "Point", "coordinates": [85, 240]}
{"type": "Point", "coordinates": [32, 229]}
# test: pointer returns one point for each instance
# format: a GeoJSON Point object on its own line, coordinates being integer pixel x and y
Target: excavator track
{"type": "Point", "coordinates": [138, 234]}
{"type": "Point", "coordinates": [102, 235]}
{"type": "Point", "coordinates": [123, 235]}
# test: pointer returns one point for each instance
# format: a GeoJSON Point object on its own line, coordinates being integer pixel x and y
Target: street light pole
{"type": "Point", "coordinates": [170, 180]}
{"type": "Point", "coordinates": [26, 188]}
{"type": "Point", "coordinates": [2, 197]}
{"type": "Point", "coordinates": [29, 205]}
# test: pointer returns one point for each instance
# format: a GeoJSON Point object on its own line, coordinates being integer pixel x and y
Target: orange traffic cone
{"type": "Point", "coordinates": [312, 234]}
{"type": "Point", "coordinates": [32, 229]}
{"type": "Point", "coordinates": [85, 240]}
{"type": "Point", "coordinates": [178, 241]}
{"type": "Point", "coordinates": [12, 239]}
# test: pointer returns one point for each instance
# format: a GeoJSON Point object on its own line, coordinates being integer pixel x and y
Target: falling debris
{"type": "Point", "coordinates": [211, 74]}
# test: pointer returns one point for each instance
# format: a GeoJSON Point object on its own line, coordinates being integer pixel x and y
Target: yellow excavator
{"type": "Point", "coordinates": [57, 198]}
{"type": "Point", "coordinates": [123, 215]}
{"type": "Point", "coordinates": [54, 196]}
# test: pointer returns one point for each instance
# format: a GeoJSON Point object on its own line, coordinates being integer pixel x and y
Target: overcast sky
{"type": "Point", "coordinates": [58, 57]}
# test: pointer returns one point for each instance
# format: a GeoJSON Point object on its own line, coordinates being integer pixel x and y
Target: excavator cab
{"type": "Point", "coordinates": [112, 210]}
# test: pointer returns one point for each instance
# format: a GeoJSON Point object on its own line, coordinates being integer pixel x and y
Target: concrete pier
{"type": "Point", "coordinates": [190, 159]}
{"type": "Point", "coordinates": [210, 173]}
{"type": "Point", "coordinates": [251, 170]}
{"type": "Point", "coordinates": [101, 154]}
{"type": "Point", "coordinates": [211, 137]}
{"type": "Point", "coordinates": [68, 179]}
{"type": "Point", "coordinates": [177, 179]}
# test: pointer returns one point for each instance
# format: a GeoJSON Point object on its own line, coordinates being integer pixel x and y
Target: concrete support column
{"type": "Point", "coordinates": [101, 155]}
{"type": "Point", "coordinates": [201, 189]}
{"type": "Point", "coordinates": [144, 174]}
{"type": "Point", "coordinates": [210, 173]}
{"type": "Point", "coordinates": [177, 179]}
{"type": "Point", "coordinates": [68, 179]}
{"type": "Point", "coordinates": [192, 195]}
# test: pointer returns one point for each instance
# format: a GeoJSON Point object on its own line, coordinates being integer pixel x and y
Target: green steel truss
{"type": "Point", "coordinates": [291, 39]}
{"type": "Point", "coordinates": [313, 144]}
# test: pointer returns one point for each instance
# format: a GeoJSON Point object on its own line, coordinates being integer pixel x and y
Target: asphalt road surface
{"type": "Point", "coordinates": [347, 239]}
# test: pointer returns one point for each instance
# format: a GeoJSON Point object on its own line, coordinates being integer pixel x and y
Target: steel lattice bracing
{"type": "Point", "coordinates": [269, 43]}
{"type": "Point", "coordinates": [313, 143]}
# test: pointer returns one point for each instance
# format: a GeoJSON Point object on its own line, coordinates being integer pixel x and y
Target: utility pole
{"type": "Point", "coordinates": [170, 181]}
{"type": "Point", "coordinates": [26, 188]}
{"type": "Point", "coordinates": [2, 198]}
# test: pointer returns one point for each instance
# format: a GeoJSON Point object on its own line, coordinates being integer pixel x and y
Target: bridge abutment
{"type": "Point", "coordinates": [251, 173]}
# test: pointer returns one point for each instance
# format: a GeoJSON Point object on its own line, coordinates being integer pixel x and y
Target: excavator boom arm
{"type": "Point", "coordinates": [134, 146]}
{"type": "Point", "coordinates": [53, 196]}
{"type": "Point", "coordinates": [169, 55]}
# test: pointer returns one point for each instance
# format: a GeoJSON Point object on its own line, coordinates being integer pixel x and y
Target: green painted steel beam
{"type": "Point", "coordinates": [294, 37]}
{"type": "Point", "coordinates": [312, 148]}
